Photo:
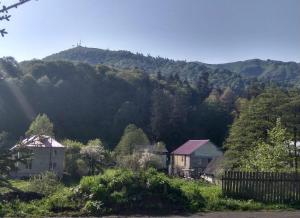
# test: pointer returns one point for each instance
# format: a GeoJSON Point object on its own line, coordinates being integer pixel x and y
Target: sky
{"type": "Point", "coordinates": [210, 31]}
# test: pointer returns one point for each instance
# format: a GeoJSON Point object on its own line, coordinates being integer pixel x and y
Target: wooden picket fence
{"type": "Point", "coordinates": [262, 186]}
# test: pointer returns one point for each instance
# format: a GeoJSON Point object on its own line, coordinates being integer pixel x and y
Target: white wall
{"type": "Point", "coordinates": [41, 161]}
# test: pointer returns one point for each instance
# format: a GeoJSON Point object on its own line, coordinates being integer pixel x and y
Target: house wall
{"type": "Point", "coordinates": [202, 156]}
{"type": "Point", "coordinates": [41, 162]}
{"type": "Point", "coordinates": [181, 161]}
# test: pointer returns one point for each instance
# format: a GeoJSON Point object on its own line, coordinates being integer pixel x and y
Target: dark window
{"type": "Point", "coordinates": [29, 164]}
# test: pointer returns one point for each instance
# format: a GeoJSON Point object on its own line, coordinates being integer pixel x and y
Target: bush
{"type": "Point", "coordinates": [21, 209]}
{"type": "Point", "coordinates": [87, 182]}
{"type": "Point", "coordinates": [45, 183]}
{"type": "Point", "coordinates": [126, 191]}
{"type": "Point", "coordinates": [61, 201]}
{"type": "Point", "coordinates": [94, 208]}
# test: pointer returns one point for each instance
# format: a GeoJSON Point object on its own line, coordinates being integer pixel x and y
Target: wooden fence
{"type": "Point", "coordinates": [262, 186]}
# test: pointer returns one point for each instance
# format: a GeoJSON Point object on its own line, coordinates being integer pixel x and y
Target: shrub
{"type": "Point", "coordinates": [21, 209]}
{"type": "Point", "coordinates": [61, 201]}
{"type": "Point", "coordinates": [94, 208]}
{"type": "Point", "coordinates": [88, 182]}
{"type": "Point", "coordinates": [45, 183]}
{"type": "Point", "coordinates": [126, 191]}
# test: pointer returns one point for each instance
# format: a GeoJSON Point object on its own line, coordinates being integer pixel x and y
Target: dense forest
{"type": "Point", "coordinates": [93, 93]}
{"type": "Point", "coordinates": [86, 102]}
{"type": "Point", "coordinates": [234, 74]}
{"type": "Point", "coordinates": [104, 112]}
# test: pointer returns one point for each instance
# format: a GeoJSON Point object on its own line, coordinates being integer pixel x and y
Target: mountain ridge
{"type": "Point", "coordinates": [264, 70]}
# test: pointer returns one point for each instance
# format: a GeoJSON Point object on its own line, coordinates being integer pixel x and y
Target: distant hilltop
{"type": "Point", "coordinates": [268, 70]}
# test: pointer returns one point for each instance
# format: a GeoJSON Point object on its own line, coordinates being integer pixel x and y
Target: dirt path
{"type": "Point", "coordinates": [267, 214]}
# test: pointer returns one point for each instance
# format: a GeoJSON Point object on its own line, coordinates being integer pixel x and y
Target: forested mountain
{"type": "Point", "coordinates": [277, 71]}
{"type": "Point", "coordinates": [171, 101]}
{"type": "Point", "coordinates": [190, 71]}
{"type": "Point", "coordinates": [86, 102]}
{"type": "Point", "coordinates": [235, 74]}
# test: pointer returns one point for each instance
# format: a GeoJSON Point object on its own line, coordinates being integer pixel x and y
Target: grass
{"type": "Point", "coordinates": [59, 203]}
{"type": "Point", "coordinates": [20, 184]}
{"type": "Point", "coordinates": [216, 202]}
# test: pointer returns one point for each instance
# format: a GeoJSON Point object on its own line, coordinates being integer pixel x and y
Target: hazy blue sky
{"type": "Point", "coordinates": [212, 31]}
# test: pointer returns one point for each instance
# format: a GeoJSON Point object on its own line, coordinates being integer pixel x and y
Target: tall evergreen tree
{"type": "Point", "coordinates": [290, 113]}
{"type": "Point", "coordinates": [41, 126]}
{"type": "Point", "coordinates": [256, 117]}
{"type": "Point", "coordinates": [131, 138]}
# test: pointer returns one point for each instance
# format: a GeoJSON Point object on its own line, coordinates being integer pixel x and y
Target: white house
{"type": "Point", "coordinates": [192, 158]}
{"type": "Point", "coordinates": [47, 155]}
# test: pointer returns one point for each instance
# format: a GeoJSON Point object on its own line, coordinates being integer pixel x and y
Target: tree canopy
{"type": "Point", "coordinates": [41, 126]}
{"type": "Point", "coordinates": [131, 138]}
{"type": "Point", "coordinates": [272, 155]}
{"type": "Point", "coordinates": [86, 102]}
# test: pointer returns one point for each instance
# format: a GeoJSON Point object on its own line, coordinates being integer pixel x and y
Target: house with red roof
{"type": "Point", "coordinates": [192, 158]}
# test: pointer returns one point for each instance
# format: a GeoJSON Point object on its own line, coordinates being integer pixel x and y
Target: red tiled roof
{"type": "Point", "coordinates": [190, 146]}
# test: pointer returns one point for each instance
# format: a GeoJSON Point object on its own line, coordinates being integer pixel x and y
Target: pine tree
{"type": "Point", "coordinates": [41, 126]}
{"type": "Point", "coordinates": [290, 112]}
{"type": "Point", "coordinates": [132, 137]}
{"type": "Point", "coordinates": [255, 118]}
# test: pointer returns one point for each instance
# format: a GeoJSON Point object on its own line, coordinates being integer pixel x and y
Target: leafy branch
{"type": "Point", "coordinates": [6, 16]}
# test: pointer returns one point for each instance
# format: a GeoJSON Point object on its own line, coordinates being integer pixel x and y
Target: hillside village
{"type": "Point", "coordinates": [201, 137]}
{"type": "Point", "coordinates": [150, 108]}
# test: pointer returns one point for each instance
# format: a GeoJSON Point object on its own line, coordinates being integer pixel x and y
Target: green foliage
{"type": "Point", "coordinates": [94, 208]}
{"type": "Point", "coordinates": [81, 160]}
{"type": "Point", "coordinates": [286, 73]}
{"type": "Point", "coordinates": [41, 126]}
{"type": "Point", "coordinates": [123, 190]}
{"type": "Point", "coordinates": [132, 137]}
{"type": "Point", "coordinates": [73, 164]}
{"type": "Point", "coordinates": [86, 102]}
{"type": "Point", "coordinates": [25, 209]}
{"type": "Point", "coordinates": [46, 183]}
{"type": "Point", "coordinates": [62, 200]}
{"type": "Point", "coordinates": [93, 154]}
{"type": "Point", "coordinates": [256, 117]}
{"type": "Point", "coordinates": [270, 156]}
{"type": "Point", "coordinates": [130, 161]}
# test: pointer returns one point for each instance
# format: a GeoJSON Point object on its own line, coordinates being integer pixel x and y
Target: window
{"type": "Point", "coordinates": [55, 152]}
{"type": "Point", "coordinates": [53, 165]}
{"type": "Point", "coordinates": [29, 164]}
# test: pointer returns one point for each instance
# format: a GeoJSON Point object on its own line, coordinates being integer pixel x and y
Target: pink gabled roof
{"type": "Point", "coordinates": [190, 146]}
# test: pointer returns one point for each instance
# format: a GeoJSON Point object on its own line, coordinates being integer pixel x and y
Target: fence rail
{"type": "Point", "coordinates": [262, 186]}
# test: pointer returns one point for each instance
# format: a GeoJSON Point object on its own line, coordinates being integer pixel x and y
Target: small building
{"type": "Point", "coordinates": [192, 158]}
{"type": "Point", "coordinates": [47, 155]}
